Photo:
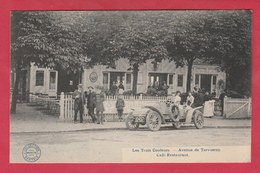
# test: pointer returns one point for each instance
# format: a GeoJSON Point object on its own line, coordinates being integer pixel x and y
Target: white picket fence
{"type": "Point", "coordinates": [64, 106]}
{"type": "Point", "coordinates": [110, 113]}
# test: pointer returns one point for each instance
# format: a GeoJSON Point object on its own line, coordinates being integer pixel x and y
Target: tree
{"type": "Point", "coordinates": [188, 41]}
{"type": "Point", "coordinates": [100, 30]}
{"type": "Point", "coordinates": [74, 40]}
{"type": "Point", "coordinates": [44, 39]}
{"type": "Point", "coordinates": [219, 37]}
{"type": "Point", "coordinates": [181, 36]}
{"type": "Point", "coordinates": [122, 35]}
{"type": "Point", "coordinates": [230, 47]}
{"type": "Point", "coordinates": [140, 41]}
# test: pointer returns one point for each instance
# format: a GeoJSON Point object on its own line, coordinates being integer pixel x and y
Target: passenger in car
{"type": "Point", "coordinates": [177, 98]}
{"type": "Point", "coordinates": [190, 100]}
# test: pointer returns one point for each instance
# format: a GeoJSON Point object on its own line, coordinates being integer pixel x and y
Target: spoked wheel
{"type": "Point", "coordinates": [174, 113]}
{"type": "Point", "coordinates": [198, 119]}
{"type": "Point", "coordinates": [130, 123]}
{"type": "Point", "coordinates": [176, 125]}
{"type": "Point", "coordinates": [153, 121]}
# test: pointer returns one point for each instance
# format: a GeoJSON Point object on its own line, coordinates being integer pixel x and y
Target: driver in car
{"type": "Point", "coordinates": [174, 108]}
{"type": "Point", "coordinates": [189, 103]}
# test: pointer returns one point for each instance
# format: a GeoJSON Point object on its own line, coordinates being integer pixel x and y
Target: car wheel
{"type": "Point", "coordinates": [130, 123]}
{"type": "Point", "coordinates": [153, 121]}
{"type": "Point", "coordinates": [176, 125]}
{"type": "Point", "coordinates": [198, 119]}
{"type": "Point", "coordinates": [175, 113]}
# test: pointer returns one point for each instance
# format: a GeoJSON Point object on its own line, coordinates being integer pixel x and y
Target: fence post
{"type": "Point", "coordinates": [224, 107]}
{"type": "Point", "coordinates": [62, 106]}
{"type": "Point", "coordinates": [30, 97]}
{"type": "Point", "coordinates": [141, 97]}
{"type": "Point", "coordinates": [249, 107]}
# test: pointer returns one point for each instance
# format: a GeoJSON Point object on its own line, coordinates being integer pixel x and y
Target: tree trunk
{"type": "Point", "coordinates": [188, 83]}
{"type": "Point", "coordinates": [15, 89]}
{"type": "Point", "coordinates": [135, 77]}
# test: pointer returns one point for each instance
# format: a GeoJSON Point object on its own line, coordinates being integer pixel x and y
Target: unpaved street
{"type": "Point", "coordinates": [106, 146]}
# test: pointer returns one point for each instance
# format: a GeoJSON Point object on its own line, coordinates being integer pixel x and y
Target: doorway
{"type": "Point", "coordinates": [205, 82]}
{"type": "Point", "coordinates": [156, 80]}
{"type": "Point", "coordinates": [117, 77]}
{"type": "Point", "coordinates": [68, 81]}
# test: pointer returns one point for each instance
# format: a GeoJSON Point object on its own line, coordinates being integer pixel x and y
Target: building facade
{"type": "Point", "coordinates": [37, 81]}
{"type": "Point", "coordinates": [207, 77]}
{"type": "Point", "coordinates": [45, 81]}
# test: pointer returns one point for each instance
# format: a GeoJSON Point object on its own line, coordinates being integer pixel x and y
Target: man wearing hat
{"type": "Point", "coordinates": [79, 102]}
{"type": "Point", "coordinates": [91, 103]}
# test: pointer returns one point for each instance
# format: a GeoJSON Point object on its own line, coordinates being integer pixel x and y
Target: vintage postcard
{"type": "Point", "coordinates": [105, 87]}
{"type": "Point", "coordinates": [161, 86]}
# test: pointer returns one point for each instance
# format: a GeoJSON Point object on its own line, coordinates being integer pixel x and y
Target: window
{"type": "Point", "coordinates": [170, 79]}
{"type": "Point", "coordinates": [105, 80]}
{"type": "Point", "coordinates": [197, 79]}
{"type": "Point", "coordinates": [128, 81]}
{"type": "Point", "coordinates": [140, 78]}
{"type": "Point", "coordinates": [39, 78]}
{"type": "Point", "coordinates": [128, 78]}
{"type": "Point", "coordinates": [214, 80]}
{"type": "Point", "coordinates": [180, 80]}
{"type": "Point", "coordinates": [52, 80]}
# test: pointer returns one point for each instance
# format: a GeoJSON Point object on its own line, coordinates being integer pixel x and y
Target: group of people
{"type": "Point", "coordinates": [117, 89]}
{"type": "Point", "coordinates": [94, 102]}
{"type": "Point", "coordinates": [193, 99]}
{"type": "Point", "coordinates": [199, 96]}
{"type": "Point", "coordinates": [163, 88]}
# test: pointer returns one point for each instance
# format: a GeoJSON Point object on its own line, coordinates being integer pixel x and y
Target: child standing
{"type": "Point", "coordinates": [120, 104]}
{"type": "Point", "coordinates": [100, 106]}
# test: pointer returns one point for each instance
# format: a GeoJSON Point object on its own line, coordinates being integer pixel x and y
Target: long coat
{"type": "Point", "coordinates": [91, 100]}
{"type": "Point", "coordinates": [79, 101]}
{"type": "Point", "coordinates": [99, 102]}
{"type": "Point", "coordinates": [120, 104]}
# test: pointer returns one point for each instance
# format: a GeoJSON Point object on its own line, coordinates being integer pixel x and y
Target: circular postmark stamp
{"type": "Point", "coordinates": [31, 152]}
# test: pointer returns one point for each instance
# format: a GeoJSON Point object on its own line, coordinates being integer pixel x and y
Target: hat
{"type": "Point", "coordinates": [90, 87]}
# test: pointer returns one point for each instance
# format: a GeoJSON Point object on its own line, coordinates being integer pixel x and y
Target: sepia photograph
{"type": "Point", "coordinates": [131, 86]}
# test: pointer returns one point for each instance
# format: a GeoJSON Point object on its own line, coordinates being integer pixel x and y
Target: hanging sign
{"type": "Point", "coordinates": [93, 77]}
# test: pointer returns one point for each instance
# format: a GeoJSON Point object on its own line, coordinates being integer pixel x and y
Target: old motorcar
{"type": "Point", "coordinates": [165, 113]}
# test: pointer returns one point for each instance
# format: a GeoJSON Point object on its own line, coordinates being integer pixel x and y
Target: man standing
{"type": "Point", "coordinates": [156, 85]}
{"type": "Point", "coordinates": [113, 88]}
{"type": "Point", "coordinates": [121, 88]}
{"type": "Point", "coordinates": [207, 97]}
{"type": "Point", "coordinates": [198, 98]}
{"type": "Point", "coordinates": [165, 88]}
{"type": "Point", "coordinates": [214, 94]}
{"type": "Point", "coordinates": [79, 102]}
{"type": "Point", "coordinates": [91, 103]}
{"type": "Point", "coordinates": [221, 98]}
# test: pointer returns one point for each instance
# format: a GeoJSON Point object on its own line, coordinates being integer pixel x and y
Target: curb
{"type": "Point", "coordinates": [119, 128]}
